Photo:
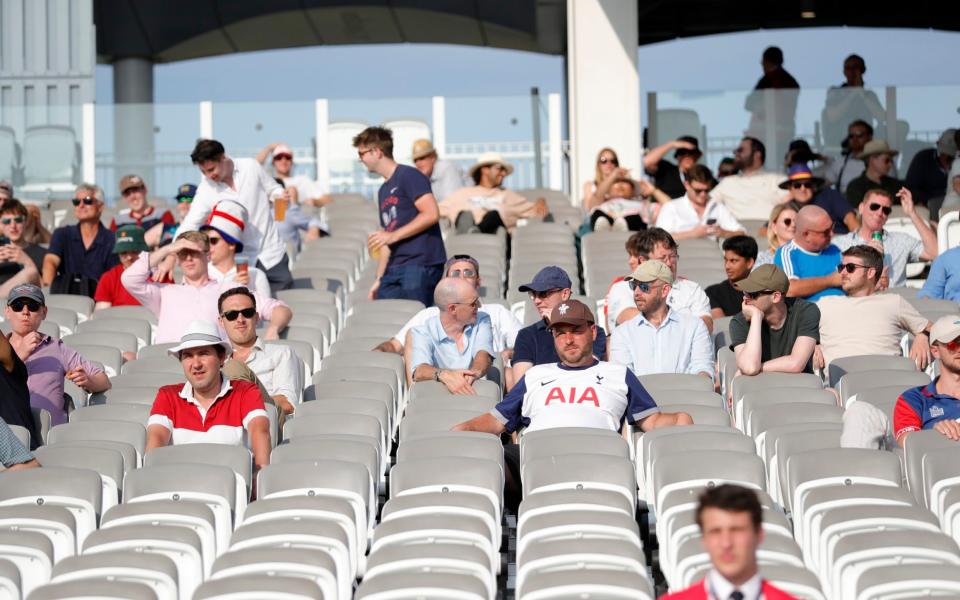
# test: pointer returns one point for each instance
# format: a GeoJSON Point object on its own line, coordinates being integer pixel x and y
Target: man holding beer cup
{"type": "Point", "coordinates": [409, 247]}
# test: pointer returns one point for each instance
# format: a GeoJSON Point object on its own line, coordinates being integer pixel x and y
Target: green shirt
{"type": "Point", "coordinates": [803, 319]}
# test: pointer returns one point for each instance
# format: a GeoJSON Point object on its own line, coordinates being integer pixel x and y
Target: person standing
{"type": "Point", "coordinates": [409, 247]}
{"type": "Point", "coordinates": [245, 182]}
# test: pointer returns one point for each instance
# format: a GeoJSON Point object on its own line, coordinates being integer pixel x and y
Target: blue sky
{"type": "Point", "coordinates": [379, 82]}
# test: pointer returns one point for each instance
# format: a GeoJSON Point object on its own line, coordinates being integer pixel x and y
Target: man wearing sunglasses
{"type": "Point", "coordinates": [456, 347]}
{"type": "Point", "coordinates": [878, 157]}
{"type": "Point", "coordinates": [660, 339]}
{"type": "Point", "coordinates": [48, 360]}
{"type": "Point", "coordinates": [80, 254]}
{"type": "Point", "coordinates": [276, 367]}
{"type": "Point", "coordinates": [773, 333]}
{"type": "Point", "coordinates": [196, 295]}
{"type": "Point", "coordinates": [840, 172]}
{"type": "Point", "coordinates": [809, 259]}
{"type": "Point", "coordinates": [667, 176]}
{"type": "Point", "coordinates": [695, 214]}
{"type": "Point", "coordinates": [162, 233]}
{"type": "Point", "coordinates": [139, 211]}
{"type": "Point", "coordinates": [898, 248]}
{"type": "Point", "coordinates": [16, 251]}
{"type": "Point", "coordinates": [805, 189]}
{"type": "Point", "coordinates": [551, 287]}
{"type": "Point", "coordinates": [865, 322]}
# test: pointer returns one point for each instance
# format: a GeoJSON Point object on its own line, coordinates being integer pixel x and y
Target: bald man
{"type": "Point", "coordinates": [455, 347]}
{"type": "Point", "coordinates": [810, 260]}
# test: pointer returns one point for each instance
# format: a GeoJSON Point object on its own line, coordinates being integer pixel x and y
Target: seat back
{"type": "Point", "coordinates": [78, 490]}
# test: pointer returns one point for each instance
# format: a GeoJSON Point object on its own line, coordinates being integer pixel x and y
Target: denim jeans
{"type": "Point", "coordinates": [410, 282]}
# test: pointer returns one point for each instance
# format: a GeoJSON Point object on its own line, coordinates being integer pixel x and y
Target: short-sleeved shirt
{"type": "Point", "coordinates": [803, 320]}
{"type": "Point", "coordinates": [836, 206]}
{"type": "Point", "coordinates": [602, 396]}
{"type": "Point", "coordinates": [148, 219]}
{"type": "Point", "coordinates": [866, 325]}
{"type": "Point", "coordinates": [943, 281]}
{"type": "Point", "coordinates": [227, 421]}
{"type": "Point", "coordinates": [667, 178]}
{"type": "Point", "coordinates": [859, 187]}
{"type": "Point", "coordinates": [15, 399]}
{"type": "Point", "coordinates": [679, 215]}
{"type": "Point", "coordinates": [75, 259]}
{"type": "Point", "coordinates": [10, 268]}
{"type": "Point", "coordinates": [430, 344]}
{"type": "Point", "coordinates": [47, 365]}
{"type": "Point", "coordinates": [110, 289]}
{"type": "Point", "coordinates": [504, 324]}
{"type": "Point", "coordinates": [397, 197]}
{"type": "Point", "coordinates": [12, 452]}
{"type": "Point", "coordinates": [725, 297]}
{"type": "Point", "coordinates": [899, 248]}
{"type": "Point", "coordinates": [797, 263]}
{"type": "Point", "coordinates": [535, 345]}
{"type": "Point", "coordinates": [923, 407]}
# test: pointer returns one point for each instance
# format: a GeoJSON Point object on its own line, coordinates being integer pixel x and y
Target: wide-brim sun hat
{"type": "Point", "coordinates": [490, 158]}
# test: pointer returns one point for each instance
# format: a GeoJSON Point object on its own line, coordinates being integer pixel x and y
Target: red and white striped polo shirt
{"type": "Point", "coordinates": [225, 422]}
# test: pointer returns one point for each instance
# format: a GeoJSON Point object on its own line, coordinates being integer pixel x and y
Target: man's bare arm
{"type": "Point", "coordinates": [484, 423]}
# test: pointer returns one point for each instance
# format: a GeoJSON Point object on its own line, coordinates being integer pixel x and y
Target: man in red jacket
{"type": "Point", "coordinates": [730, 519]}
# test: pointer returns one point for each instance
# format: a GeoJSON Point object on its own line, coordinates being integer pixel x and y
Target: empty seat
{"type": "Point", "coordinates": [101, 589]}
{"type": "Point", "coordinates": [742, 384]}
{"type": "Point", "coordinates": [166, 365]}
{"type": "Point", "coordinates": [903, 581]}
{"type": "Point", "coordinates": [107, 463]}
{"type": "Point", "coordinates": [852, 383]}
{"type": "Point", "coordinates": [676, 381]}
{"type": "Point", "coordinates": [428, 586]}
{"type": "Point", "coordinates": [471, 475]}
{"type": "Point", "coordinates": [315, 565]}
{"type": "Point", "coordinates": [445, 527]}
{"type": "Point", "coordinates": [851, 364]}
{"type": "Point", "coordinates": [31, 552]}
{"type": "Point", "coordinates": [586, 555]}
{"type": "Point", "coordinates": [137, 327]}
{"type": "Point", "coordinates": [434, 421]}
{"type": "Point", "coordinates": [9, 580]}
{"type": "Point", "coordinates": [156, 571]}
{"type": "Point", "coordinates": [785, 395]}
{"type": "Point", "coordinates": [916, 446]}
{"type": "Point", "coordinates": [155, 350]}
{"type": "Point", "coordinates": [579, 583]}
{"type": "Point", "coordinates": [79, 490]}
{"type": "Point", "coordinates": [128, 394]}
{"type": "Point", "coordinates": [56, 523]}
{"type": "Point", "coordinates": [133, 413]}
{"type": "Point", "coordinates": [436, 556]}
{"type": "Point", "coordinates": [114, 431]}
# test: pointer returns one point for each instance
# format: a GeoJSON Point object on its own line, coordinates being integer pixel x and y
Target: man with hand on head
{"type": "Point", "coordinates": [209, 408]}
{"type": "Point", "coordinates": [576, 390]}
{"type": "Point", "coordinates": [454, 348]}
{"type": "Point", "coordinates": [196, 295]}
{"type": "Point", "coordinates": [660, 339]}
{"type": "Point", "coordinates": [277, 367]}
{"type": "Point", "coordinates": [110, 291]}
{"type": "Point", "coordinates": [535, 345]}
{"type": "Point", "coordinates": [731, 523]}
{"type": "Point", "coordinates": [48, 360]}
{"type": "Point", "coordinates": [773, 333]}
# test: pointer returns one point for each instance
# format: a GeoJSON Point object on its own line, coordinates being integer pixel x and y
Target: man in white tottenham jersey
{"type": "Point", "coordinates": [578, 391]}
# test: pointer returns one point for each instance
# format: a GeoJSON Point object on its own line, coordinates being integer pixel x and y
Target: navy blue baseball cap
{"type": "Point", "coordinates": [187, 190]}
{"type": "Point", "coordinates": [548, 278]}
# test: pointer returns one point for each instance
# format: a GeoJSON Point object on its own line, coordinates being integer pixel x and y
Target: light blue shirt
{"type": "Point", "coordinates": [681, 344]}
{"type": "Point", "coordinates": [432, 346]}
{"type": "Point", "coordinates": [943, 282]}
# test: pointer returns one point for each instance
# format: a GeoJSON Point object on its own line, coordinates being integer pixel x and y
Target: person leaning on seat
{"type": "Point", "coordinates": [577, 390]}
{"type": "Point", "coordinates": [209, 408]}
{"type": "Point", "coordinates": [730, 518]}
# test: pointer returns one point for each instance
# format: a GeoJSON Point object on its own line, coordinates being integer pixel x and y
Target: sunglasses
{"type": "Point", "coordinates": [462, 273]}
{"type": "Point", "coordinates": [952, 345]}
{"type": "Point", "coordinates": [128, 191]}
{"type": "Point", "coordinates": [183, 199]}
{"type": "Point", "coordinates": [802, 184]}
{"type": "Point", "coordinates": [8, 220]}
{"type": "Point", "coordinates": [850, 267]}
{"type": "Point", "coordinates": [874, 206]}
{"type": "Point", "coordinates": [604, 161]}
{"type": "Point", "coordinates": [88, 200]}
{"type": "Point", "coordinates": [643, 286]}
{"type": "Point", "coordinates": [699, 191]}
{"type": "Point", "coordinates": [755, 295]}
{"type": "Point", "coordinates": [474, 304]}
{"type": "Point", "coordinates": [231, 315]}
{"type": "Point", "coordinates": [283, 157]}
{"type": "Point", "coordinates": [185, 254]}
{"type": "Point", "coordinates": [542, 295]}
{"type": "Point", "coordinates": [18, 304]}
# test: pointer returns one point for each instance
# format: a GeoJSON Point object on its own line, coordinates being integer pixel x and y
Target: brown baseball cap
{"type": "Point", "coordinates": [130, 181]}
{"type": "Point", "coordinates": [572, 312]}
{"type": "Point", "coordinates": [764, 278]}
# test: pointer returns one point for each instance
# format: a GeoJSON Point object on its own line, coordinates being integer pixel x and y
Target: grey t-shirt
{"type": "Point", "coordinates": [803, 319]}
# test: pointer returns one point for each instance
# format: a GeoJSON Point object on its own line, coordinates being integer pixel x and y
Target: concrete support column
{"type": "Point", "coordinates": [603, 87]}
{"type": "Point", "coordinates": [133, 122]}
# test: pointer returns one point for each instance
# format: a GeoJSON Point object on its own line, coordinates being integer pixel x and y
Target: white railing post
{"type": "Point", "coordinates": [555, 142]}
{"type": "Point", "coordinates": [321, 111]}
{"type": "Point", "coordinates": [440, 125]}
{"type": "Point", "coordinates": [88, 155]}
{"type": "Point", "coordinates": [206, 119]}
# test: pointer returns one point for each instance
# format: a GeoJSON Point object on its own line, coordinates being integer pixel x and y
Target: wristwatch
{"type": "Point", "coordinates": [436, 375]}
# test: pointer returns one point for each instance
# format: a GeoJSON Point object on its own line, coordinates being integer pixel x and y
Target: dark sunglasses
{"type": "Point", "coordinates": [643, 286]}
{"type": "Point", "coordinates": [8, 220]}
{"type": "Point", "coordinates": [874, 206]}
{"type": "Point", "coordinates": [18, 304]}
{"type": "Point", "coordinates": [542, 295]}
{"type": "Point", "coordinates": [231, 315]}
{"type": "Point", "coordinates": [604, 161]}
{"type": "Point", "coordinates": [850, 267]}
{"type": "Point", "coordinates": [802, 184]}
{"type": "Point", "coordinates": [88, 200]}
{"type": "Point", "coordinates": [755, 295]}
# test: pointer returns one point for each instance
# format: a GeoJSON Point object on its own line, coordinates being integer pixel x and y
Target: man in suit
{"type": "Point", "coordinates": [730, 519]}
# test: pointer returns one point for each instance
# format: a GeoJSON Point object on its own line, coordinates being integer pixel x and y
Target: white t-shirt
{"type": "Point", "coordinates": [306, 187]}
{"type": "Point", "coordinates": [679, 215]}
{"type": "Point", "coordinates": [686, 296]}
{"type": "Point", "coordinates": [505, 324]}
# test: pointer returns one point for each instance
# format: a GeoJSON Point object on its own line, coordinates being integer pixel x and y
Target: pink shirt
{"type": "Point", "coordinates": [179, 304]}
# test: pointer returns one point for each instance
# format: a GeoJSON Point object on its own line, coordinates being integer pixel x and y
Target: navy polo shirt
{"type": "Point", "coordinates": [75, 259]}
{"type": "Point", "coordinates": [535, 345]}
